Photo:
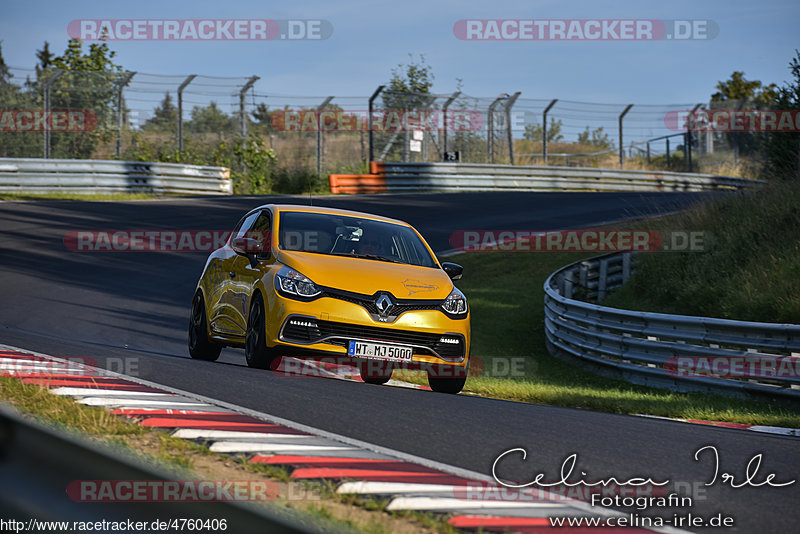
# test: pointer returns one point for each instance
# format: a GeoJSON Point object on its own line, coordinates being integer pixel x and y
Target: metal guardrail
{"type": "Point", "coordinates": [38, 463]}
{"type": "Point", "coordinates": [483, 177]}
{"type": "Point", "coordinates": [31, 175]}
{"type": "Point", "coordinates": [646, 347]}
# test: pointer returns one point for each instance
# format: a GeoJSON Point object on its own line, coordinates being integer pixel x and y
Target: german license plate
{"type": "Point", "coordinates": [378, 351]}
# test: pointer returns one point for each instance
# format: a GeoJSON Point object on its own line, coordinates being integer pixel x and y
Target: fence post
{"type": "Point", "coordinates": [320, 108]}
{"type": "Point", "coordinates": [120, 105]}
{"type": "Point", "coordinates": [444, 119]}
{"type": "Point", "coordinates": [47, 86]}
{"type": "Point", "coordinates": [369, 120]}
{"type": "Point", "coordinates": [544, 128]}
{"type": "Point", "coordinates": [490, 128]}
{"type": "Point", "coordinates": [181, 87]}
{"type": "Point", "coordinates": [509, 105]}
{"type": "Point", "coordinates": [621, 150]}
{"type": "Point", "coordinates": [689, 136]}
{"type": "Point", "coordinates": [242, 114]}
{"type": "Point", "coordinates": [667, 152]}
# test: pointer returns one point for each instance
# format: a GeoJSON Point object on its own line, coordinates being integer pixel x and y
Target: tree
{"type": "Point", "coordinates": [208, 119]}
{"type": "Point", "coordinates": [597, 138]}
{"type": "Point", "coordinates": [782, 149]}
{"type": "Point", "coordinates": [740, 93]}
{"type": "Point", "coordinates": [45, 57]}
{"type": "Point", "coordinates": [5, 74]}
{"type": "Point", "coordinates": [533, 132]}
{"type": "Point", "coordinates": [415, 79]}
{"type": "Point", "coordinates": [165, 117]}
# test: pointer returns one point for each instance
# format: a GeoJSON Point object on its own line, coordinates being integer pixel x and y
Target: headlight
{"type": "Point", "coordinates": [455, 303]}
{"type": "Point", "coordinates": [291, 283]}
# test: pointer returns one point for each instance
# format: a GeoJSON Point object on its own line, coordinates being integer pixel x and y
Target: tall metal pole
{"type": "Point", "coordinates": [444, 119]}
{"type": "Point", "coordinates": [509, 104]}
{"type": "Point", "coordinates": [120, 109]}
{"type": "Point", "coordinates": [319, 135]}
{"type": "Point", "coordinates": [490, 128]}
{"type": "Point", "coordinates": [544, 128]}
{"type": "Point", "coordinates": [369, 120]}
{"type": "Point", "coordinates": [56, 75]}
{"type": "Point", "coordinates": [242, 115]}
{"type": "Point", "coordinates": [689, 135]}
{"type": "Point", "coordinates": [181, 87]}
{"type": "Point", "coordinates": [621, 151]}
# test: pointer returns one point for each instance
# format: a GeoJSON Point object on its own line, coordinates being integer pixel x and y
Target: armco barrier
{"type": "Point", "coordinates": [32, 175]}
{"type": "Point", "coordinates": [646, 348]}
{"type": "Point", "coordinates": [400, 177]}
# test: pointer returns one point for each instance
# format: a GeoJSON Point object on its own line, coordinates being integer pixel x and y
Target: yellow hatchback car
{"type": "Point", "coordinates": [314, 282]}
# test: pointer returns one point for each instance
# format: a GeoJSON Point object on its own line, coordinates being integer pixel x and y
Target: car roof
{"type": "Point", "coordinates": [277, 208]}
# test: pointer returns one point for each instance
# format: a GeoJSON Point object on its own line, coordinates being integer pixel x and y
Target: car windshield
{"type": "Point", "coordinates": [337, 235]}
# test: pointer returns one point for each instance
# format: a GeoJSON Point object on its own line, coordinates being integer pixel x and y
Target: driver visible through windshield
{"type": "Point", "coordinates": [352, 236]}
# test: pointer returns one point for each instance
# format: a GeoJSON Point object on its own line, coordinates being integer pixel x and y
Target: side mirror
{"type": "Point", "coordinates": [247, 247]}
{"type": "Point", "coordinates": [453, 270]}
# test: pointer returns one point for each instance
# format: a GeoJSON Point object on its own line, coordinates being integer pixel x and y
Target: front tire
{"type": "Point", "coordinates": [375, 373]}
{"type": "Point", "coordinates": [447, 379]}
{"type": "Point", "coordinates": [256, 352]}
{"type": "Point", "coordinates": [200, 347]}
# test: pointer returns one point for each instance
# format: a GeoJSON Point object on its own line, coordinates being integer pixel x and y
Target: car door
{"type": "Point", "coordinates": [245, 275]}
{"type": "Point", "coordinates": [222, 303]}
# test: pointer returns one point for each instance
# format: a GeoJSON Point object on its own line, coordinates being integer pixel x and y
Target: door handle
{"type": "Point", "coordinates": [233, 274]}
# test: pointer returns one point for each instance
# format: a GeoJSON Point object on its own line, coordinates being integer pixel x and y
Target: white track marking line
{"type": "Point", "coordinates": [138, 403]}
{"type": "Point", "coordinates": [197, 433]}
{"type": "Point", "coordinates": [353, 443]}
{"type": "Point", "coordinates": [397, 488]}
{"type": "Point", "coordinates": [453, 503]}
{"type": "Point", "coordinates": [92, 392]}
{"type": "Point", "coordinates": [243, 446]}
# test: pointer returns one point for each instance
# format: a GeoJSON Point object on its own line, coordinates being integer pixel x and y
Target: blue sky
{"type": "Point", "coordinates": [370, 38]}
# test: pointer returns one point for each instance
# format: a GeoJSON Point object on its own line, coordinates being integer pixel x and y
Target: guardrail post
{"type": "Point", "coordinates": [569, 281]}
{"type": "Point", "coordinates": [444, 119]}
{"type": "Point", "coordinates": [544, 128]}
{"type": "Point", "coordinates": [56, 75]}
{"type": "Point", "coordinates": [320, 108]}
{"type": "Point", "coordinates": [181, 87]}
{"type": "Point", "coordinates": [509, 104]}
{"type": "Point", "coordinates": [242, 114]}
{"type": "Point", "coordinates": [369, 120]}
{"type": "Point", "coordinates": [621, 151]}
{"type": "Point", "coordinates": [626, 266]}
{"type": "Point", "coordinates": [120, 104]}
{"type": "Point", "coordinates": [602, 280]}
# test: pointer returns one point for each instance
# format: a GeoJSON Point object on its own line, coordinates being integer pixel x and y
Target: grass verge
{"type": "Point", "coordinates": [506, 297]}
{"type": "Point", "coordinates": [311, 503]}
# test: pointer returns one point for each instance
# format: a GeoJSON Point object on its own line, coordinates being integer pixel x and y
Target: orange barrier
{"type": "Point", "coordinates": [360, 183]}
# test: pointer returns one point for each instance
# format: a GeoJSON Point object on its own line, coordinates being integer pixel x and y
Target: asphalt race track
{"type": "Point", "coordinates": [129, 311]}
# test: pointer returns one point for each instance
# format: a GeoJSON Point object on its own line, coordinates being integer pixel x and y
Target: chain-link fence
{"type": "Point", "coordinates": [203, 119]}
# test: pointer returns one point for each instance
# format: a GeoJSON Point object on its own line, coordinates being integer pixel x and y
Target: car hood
{"type": "Point", "coordinates": [367, 277]}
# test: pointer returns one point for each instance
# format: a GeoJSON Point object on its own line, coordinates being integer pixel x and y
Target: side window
{"type": "Point", "coordinates": [245, 225]}
{"type": "Point", "coordinates": [262, 232]}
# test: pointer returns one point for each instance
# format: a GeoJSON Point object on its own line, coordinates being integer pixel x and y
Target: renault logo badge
{"type": "Point", "coordinates": [384, 304]}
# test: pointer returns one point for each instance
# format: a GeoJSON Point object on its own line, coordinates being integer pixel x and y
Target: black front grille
{"type": "Point", "coordinates": [368, 302]}
{"type": "Point", "coordinates": [341, 333]}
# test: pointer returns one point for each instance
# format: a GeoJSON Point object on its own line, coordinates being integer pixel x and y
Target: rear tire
{"type": "Point", "coordinates": [256, 352]}
{"type": "Point", "coordinates": [200, 347]}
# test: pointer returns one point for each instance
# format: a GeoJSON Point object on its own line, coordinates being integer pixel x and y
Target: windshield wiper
{"type": "Point", "coordinates": [367, 256]}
